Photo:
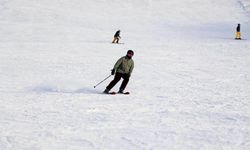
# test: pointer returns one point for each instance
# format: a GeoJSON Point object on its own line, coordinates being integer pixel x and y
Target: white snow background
{"type": "Point", "coordinates": [190, 89]}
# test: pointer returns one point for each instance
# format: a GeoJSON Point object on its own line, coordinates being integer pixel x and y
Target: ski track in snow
{"type": "Point", "coordinates": [190, 88]}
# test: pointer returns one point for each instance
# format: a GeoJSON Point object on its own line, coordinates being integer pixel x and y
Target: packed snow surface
{"type": "Point", "coordinates": [190, 88]}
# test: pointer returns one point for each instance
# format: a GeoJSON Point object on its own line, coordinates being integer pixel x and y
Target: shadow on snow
{"type": "Point", "coordinates": [54, 89]}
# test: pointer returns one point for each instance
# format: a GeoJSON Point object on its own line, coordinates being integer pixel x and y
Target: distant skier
{"type": "Point", "coordinates": [116, 37]}
{"type": "Point", "coordinates": [122, 69]}
{"type": "Point", "coordinates": [238, 34]}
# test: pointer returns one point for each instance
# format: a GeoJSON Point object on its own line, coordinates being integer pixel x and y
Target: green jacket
{"type": "Point", "coordinates": [124, 65]}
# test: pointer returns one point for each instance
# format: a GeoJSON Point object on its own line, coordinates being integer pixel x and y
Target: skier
{"type": "Point", "coordinates": [116, 37]}
{"type": "Point", "coordinates": [122, 69]}
{"type": "Point", "coordinates": [238, 34]}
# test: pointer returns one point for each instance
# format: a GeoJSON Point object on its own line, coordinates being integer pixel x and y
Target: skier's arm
{"type": "Point", "coordinates": [117, 64]}
{"type": "Point", "coordinates": [131, 68]}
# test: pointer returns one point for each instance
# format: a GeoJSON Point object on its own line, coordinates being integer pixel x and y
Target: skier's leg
{"type": "Point", "coordinates": [113, 83]}
{"type": "Point", "coordinates": [238, 35]}
{"type": "Point", "coordinates": [113, 40]}
{"type": "Point", "coordinates": [117, 40]}
{"type": "Point", "coordinates": [124, 82]}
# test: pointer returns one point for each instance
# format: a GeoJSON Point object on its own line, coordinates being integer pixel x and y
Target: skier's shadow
{"type": "Point", "coordinates": [87, 91]}
{"type": "Point", "coordinates": [53, 89]}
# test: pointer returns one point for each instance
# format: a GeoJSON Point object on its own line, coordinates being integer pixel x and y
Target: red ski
{"type": "Point", "coordinates": [113, 93]}
{"type": "Point", "coordinates": [126, 93]}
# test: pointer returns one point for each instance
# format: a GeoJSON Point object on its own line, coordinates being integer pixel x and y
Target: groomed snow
{"type": "Point", "coordinates": [190, 88]}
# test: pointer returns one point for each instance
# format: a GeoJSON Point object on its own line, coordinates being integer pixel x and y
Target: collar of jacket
{"type": "Point", "coordinates": [127, 57]}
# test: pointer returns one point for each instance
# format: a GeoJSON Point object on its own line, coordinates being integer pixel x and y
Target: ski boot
{"type": "Point", "coordinates": [106, 91]}
{"type": "Point", "coordinates": [121, 91]}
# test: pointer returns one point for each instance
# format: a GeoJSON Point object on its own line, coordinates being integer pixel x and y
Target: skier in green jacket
{"type": "Point", "coordinates": [122, 69]}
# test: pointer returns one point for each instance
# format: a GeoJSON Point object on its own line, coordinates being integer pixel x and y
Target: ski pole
{"type": "Point", "coordinates": [102, 81]}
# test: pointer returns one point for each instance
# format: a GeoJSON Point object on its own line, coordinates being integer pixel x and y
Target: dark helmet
{"type": "Point", "coordinates": [130, 52]}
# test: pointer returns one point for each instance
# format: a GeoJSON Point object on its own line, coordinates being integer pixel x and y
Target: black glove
{"type": "Point", "coordinates": [112, 71]}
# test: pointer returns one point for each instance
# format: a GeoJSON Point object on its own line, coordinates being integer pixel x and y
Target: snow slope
{"type": "Point", "coordinates": [190, 88]}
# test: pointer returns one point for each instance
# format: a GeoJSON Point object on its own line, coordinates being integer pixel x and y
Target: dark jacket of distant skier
{"type": "Point", "coordinates": [117, 34]}
{"type": "Point", "coordinates": [122, 69]}
{"type": "Point", "coordinates": [238, 28]}
{"type": "Point", "coordinates": [116, 37]}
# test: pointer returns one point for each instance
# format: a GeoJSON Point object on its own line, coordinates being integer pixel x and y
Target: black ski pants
{"type": "Point", "coordinates": [117, 78]}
